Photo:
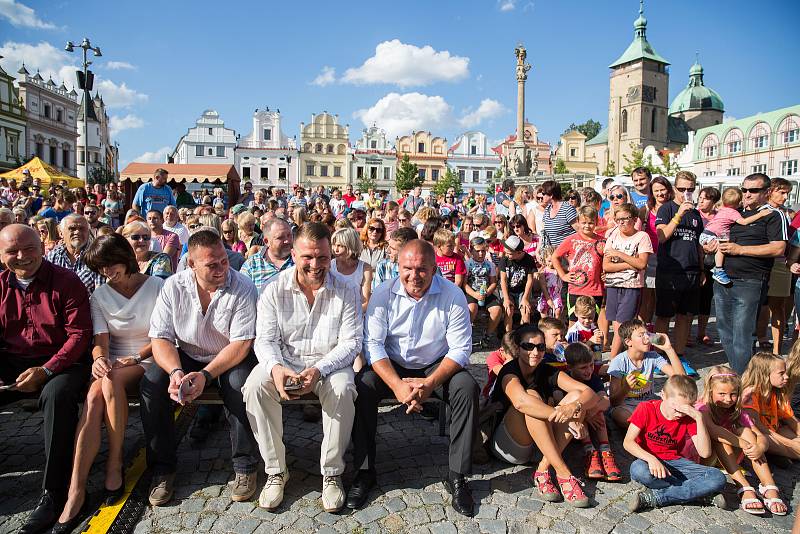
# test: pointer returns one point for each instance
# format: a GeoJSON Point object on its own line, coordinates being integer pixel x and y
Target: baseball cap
{"type": "Point", "coordinates": [514, 243]}
{"type": "Point", "coordinates": [238, 208]}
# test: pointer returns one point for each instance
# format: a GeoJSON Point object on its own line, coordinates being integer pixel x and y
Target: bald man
{"type": "Point", "coordinates": [46, 330]}
{"type": "Point", "coordinates": [417, 338]}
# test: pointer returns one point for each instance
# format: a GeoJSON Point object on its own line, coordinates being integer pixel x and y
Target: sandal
{"type": "Point", "coordinates": [543, 483]}
{"type": "Point", "coordinates": [773, 500]}
{"type": "Point", "coordinates": [574, 495]}
{"type": "Point", "coordinates": [744, 503]}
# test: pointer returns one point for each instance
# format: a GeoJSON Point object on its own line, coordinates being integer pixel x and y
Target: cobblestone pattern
{"type": "Point", "coordinates": [410, 497]}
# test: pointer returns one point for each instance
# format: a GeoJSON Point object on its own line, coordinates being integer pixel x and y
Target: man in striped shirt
{"type": "Point", "coordinates": [274, 257]}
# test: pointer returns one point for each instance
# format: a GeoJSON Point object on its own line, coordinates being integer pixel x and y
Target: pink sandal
{"type": "Point", "coordinates": [574, 495]}
{"type": "Point", "coordinates": [543, 483]}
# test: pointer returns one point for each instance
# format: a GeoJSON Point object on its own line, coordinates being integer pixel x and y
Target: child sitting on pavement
{"type": "Point", "coordinates": [553, 330]}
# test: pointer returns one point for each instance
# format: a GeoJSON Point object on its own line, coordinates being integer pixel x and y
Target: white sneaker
{"type": "Point", "coordinates": [272, 493]}
{"type": "Point", "coordinates": [332, 494]}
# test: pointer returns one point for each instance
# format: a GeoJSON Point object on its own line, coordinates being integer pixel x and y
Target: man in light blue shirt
{"type": "Point", "coordinates": [417, 339]}
{"type": "Point", "coordinates": [155, 195]}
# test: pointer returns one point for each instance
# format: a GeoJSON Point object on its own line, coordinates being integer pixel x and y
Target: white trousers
{"type": "Point", "coordinates": [337, 394]}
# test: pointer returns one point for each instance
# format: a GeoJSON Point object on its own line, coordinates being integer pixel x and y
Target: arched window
{"type": "Point", "coordinates": [759, 136]}
{"type": "Point", "coordinates": [318, 148]}
{"type": "Point", "coordinates": [653, 120]}
{"type": "Point", "coordinates": [624, 121]}
{"type": "Point", "coordinates": [789, 130]}
{"type": "Point", "coordinates": [709, 146]}
{"type": "Point", "coordinates": [330, 149]}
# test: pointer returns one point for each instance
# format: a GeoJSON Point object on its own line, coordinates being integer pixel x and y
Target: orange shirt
{"type": "Point", "coordinates": [769, 410]}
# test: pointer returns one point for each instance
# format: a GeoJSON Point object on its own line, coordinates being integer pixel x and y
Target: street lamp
{"type": "Point", "coordinates": [85, 82]}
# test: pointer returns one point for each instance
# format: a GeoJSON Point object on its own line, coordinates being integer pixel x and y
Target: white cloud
{"type": "Point", "coordinates": [22, 16]}
{"type": "Point", "coordinates": [48, 59]}
{"type": "Point", "coordinates": [507, 5]}
{"type": "Point", "coordinates": [119, 96]}
{"type": "Point", "coordinates": [408, 65]}
{"type": "Point", "coordinates": [118, 124]}
{"type": "Point", "coordinates": [326, 77]}
{"type": "Point", "coordinates": [119, 65]}
{"type": "Point", "coordinates": [399, 114]}
{"type": "Point", "coordinates": [157, 156]}
{"type": "Point", "coordinates": [488, 109]}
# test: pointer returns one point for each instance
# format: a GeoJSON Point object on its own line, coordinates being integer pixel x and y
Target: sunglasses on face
{"type": "Point", "coordinates": [517, 226]}
{"type": "Point", "coordinates": [618, 196]}
{"type": "Point", "coordinates": [527, 345]}
{"type": "Point", "coordinates": [688, 189]}
{"type": "Point", "coordinates": [138, 237]}
{"type": "Point", "coordinates": [754, 190]}
{"type": "Point", "coordinates": [402, 220]}
{"type": "Point", "coordinates": [375, 229]}
{"type": "Point", "coordinates": [499, 222]}
{"type": "Point", "coordinates": [194, 226]}
{"type": "Point", "coordinates": [89, 212]}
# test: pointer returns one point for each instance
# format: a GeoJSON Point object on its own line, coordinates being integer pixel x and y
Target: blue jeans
{"type": "Point", "coordinates": [737, 310]}
{"type": "Point", "coordinates": [686, 482]}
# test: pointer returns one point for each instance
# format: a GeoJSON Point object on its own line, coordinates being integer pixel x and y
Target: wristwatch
{"type": "Point", "coordinates": [207, 376]}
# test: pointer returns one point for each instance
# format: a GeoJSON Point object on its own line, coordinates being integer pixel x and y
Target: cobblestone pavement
{"type": "Point", "coordinates": [410, 496]}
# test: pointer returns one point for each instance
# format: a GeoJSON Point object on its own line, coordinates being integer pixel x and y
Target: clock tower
{"type": "Point", "coordinates": [639, 100]}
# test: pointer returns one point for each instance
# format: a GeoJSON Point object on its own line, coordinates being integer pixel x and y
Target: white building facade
{"type": "Point", "coordinates": [374, 159]}
{"type": "Point", "coordinates": [12, 124]}
{"type": "Point", "coordinates": [52, 121]}
{"type": "Point", "coordinates": [102, 153]}
{"type": "Point", "coordinates": [473, 160]}
{"type": "Point", "coordinates": [208, 142]}
{"type": "Point", "coordinates": [268, 157]}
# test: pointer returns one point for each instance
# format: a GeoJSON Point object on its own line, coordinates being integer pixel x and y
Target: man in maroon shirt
{"type": "Point", "coordinates": [45, 332]}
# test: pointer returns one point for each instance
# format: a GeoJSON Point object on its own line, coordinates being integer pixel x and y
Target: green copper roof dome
{"type": "Point", "coordinates": [639, 48]}
{"type": "Point", "coordinates": [696, 96]}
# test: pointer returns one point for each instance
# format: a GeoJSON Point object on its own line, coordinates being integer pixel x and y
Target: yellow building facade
{"type": "Point", "coordinates": [572, 151]}
{"type": "Point", "coordinates": [324, 152]}
{"type": "Point", "coordinates": [428, 152]}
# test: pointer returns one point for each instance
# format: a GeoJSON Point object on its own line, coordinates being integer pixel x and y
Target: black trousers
{"type": "Point", "coordinates": [159, 424]}
{"type": "Point", "coordinates": [460, 393]}
{"type": "Point", "coordinates": [58, 402]}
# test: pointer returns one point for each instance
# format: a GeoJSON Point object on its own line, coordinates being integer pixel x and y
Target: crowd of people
{"type": "Point", "coordinates": [356, 298]}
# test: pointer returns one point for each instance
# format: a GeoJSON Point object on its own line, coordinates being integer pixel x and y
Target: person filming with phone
{"type": "Point", "coordinates": [309, 332]}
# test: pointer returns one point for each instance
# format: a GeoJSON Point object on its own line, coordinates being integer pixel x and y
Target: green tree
{"type": "Point", "coordinates": [637, 159]}
{"type": "Point", "coordinates": [450, 179]}
{"type": "Point", "coordinates": [407, 177]}
{"type": "Point", "coordinates": [671, 166]}
{"type": "Point", "coordinates": [560, 167]}
{"type": "Point", "coordinates": [101, 175]}
{"type": "Point", "coordinates": [611, 169]}
{"type": "Point", "coordinates": [496, 179]}
{"type": "Point", "coordinates": [365, 183]}
{"type": "Point", "coordinates": [589, 128]}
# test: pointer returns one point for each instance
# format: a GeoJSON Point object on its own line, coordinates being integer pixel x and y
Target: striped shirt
{"type": "Point", "coordinates": [59, 256]}
{"type": "Point", "coordinates": [385, 270]}
{"type": "Point", "coordinates": [558, 228]}
{"type": "Point", "coordinates": [261, 270]}
{"type": "Point", "coordinates": [178, 315]}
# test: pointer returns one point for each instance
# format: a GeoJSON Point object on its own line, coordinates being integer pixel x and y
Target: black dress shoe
{"type": "Point", "coordinates": [462, 497]}
{"type": "Point", "coordinates": [113, 496]}
{"type": "Point", "coordinates": [69, 526]}
{"type": "Point", "coordinates": [44, 515]}
{"type": "Point", "coordinates": [365, 480]}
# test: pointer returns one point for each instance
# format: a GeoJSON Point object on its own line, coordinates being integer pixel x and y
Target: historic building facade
{"type": "Point", "coordinates": [12, 125]}
{"type": "Point", "coordinates": [374, 159]}
{"type": "Point", "coordinates": [207, 142]}
{"type": "Point", "coordinates": [540, 150]}
{"type": "Point", "coordinates": [324, 157]}
{"type": "Point", "coordinates": [471, 157]}
{"type": "Point", "coordinates": [102, 152]}
{"type": "Point", "coordinates": [427, 151]}
{"type": "Point", "coordinates": [267, 156]}
{"type": "Point", "coordinates": [51, 126]}
{"type": "Point", "coordinates": [572, 151]}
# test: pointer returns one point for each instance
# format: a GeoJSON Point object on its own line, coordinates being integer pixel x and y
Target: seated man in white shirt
{"type": "Point", "coordinates": [417, 339]}
{"type": "Point", "coordinates": [209, 311]}
{"type": "Point", "coordinates": [309, 331]}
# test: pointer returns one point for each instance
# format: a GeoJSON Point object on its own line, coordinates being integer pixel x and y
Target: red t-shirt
{"type": "Point", "coordinates": [659, 436]}
{"type": "Point", "coordinates": [585, 257]}
{"type": "Point", "coordinates": [348, 199]}
{"type": "Point", "coordinates": [450, 266]}
{"type": "Point", "coordinates": [492, 360]}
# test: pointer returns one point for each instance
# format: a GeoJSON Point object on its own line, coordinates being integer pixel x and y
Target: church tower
{"type": "Point", "coordinates": [638, 99]}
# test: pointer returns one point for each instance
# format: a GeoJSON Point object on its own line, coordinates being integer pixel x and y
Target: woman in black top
{"type": "Point", "coordinates": [524, 386]}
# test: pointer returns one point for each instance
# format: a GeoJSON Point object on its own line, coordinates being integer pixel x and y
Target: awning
{"type": "Point", "coordinates": [189, 172]}
{"type": "Point", "coordinates": [46, 174]}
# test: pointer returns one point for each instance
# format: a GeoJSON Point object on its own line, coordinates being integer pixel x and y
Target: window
{"type": "Point", "coordinates": [198, 150]}
{"type": "Point", "coordinates": [761, 167]}
{"type": "Point", "coordinates": [489, 175]}
{"type": "Point", "coordinates": [462, 175]}
{"type": "Point", "coordinates": [359, 172]}
{"type": "Point", "coordinates": [711, 151]}
{"type": "Point", "coordinates": [421, 173]}
{"type": "Point", "coordinates": [476, 176]}
{"type": "Point", "coordinates": [473, 150]}
{"type": "Point", "coordinates": [733, 172]}
{"type": "Point", "coordinates": [373, 173]}
{"type": "Point", "coordinates": [65, 158]}
{"type": "Point", "coordinates": [40, 151]}
{"type": "Point", "coordinates": [83, 157]}
{"type": "Point", "coordinates": [323, 170]}
{"type": "Point", "coordinates": [387, 173]}
{"type": "Point", "coordinates": [789, 168]}
{"type": "Point", "coordinates": [760, 141]}
{"type": "Point", "coordinates": [435, 174]}
{"type": "Point", "coordinates": [734, 146]}
{"type": "Point", "coordinates": [47, 111]}
{"type": "Point", "coordinates": [337, 171]}
{"type": "Point", "coordinates": [211, 131]}
{"type": "Point", "coordinates": [310, 170]}
{"type": "Point", "coordinates": [96, 157]}
{"type": "Point", "coordinates": [573, 152]}
{"type": "Point", "coordinates": [653, 120]}
{"type": "Point", "coordinates": [624, 121]}
{"type": "Point", "coordinates": [318, 148]}
{"type": "Point", "coordinates": [220, 151]}
{"type": "Point", "coordinates": [267, 134]}
{"type": "Point", "coordinates": [282, 173]}
{"type": "Point", "coordinates": [264, 173]}
{"type": "Point", "coordinates": [373, 144]}
{"type": "Point", "coordinates": [421, 147]}
{"type": "Point", "coordinates": [791, 136]}
{"type": "Point", "coordinates": [11, 146]}
{"type": "Point", "coordinates": [708, 173]}
{"type": "Point", "coordinates": [210, 151]}
{"type": "Point", "coordinates": [59, 115]}
{"type": "Point", "coordinates": [53, 155]}
{"type": "Point", "coordinates": [246, 172]}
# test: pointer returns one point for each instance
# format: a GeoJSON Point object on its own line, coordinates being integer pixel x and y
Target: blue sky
{"type": "Point", "coordinates": [445, 66]}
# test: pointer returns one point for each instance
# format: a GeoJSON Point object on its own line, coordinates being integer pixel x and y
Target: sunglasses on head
{"type": "Point", "coordinates": [753, 189]}
{"type": "Point", "coordinates": [527, 345]}
{"type": "Point", "coordinates": [685, 189]}
{"type": "Point", "coordinates": [138, 237]}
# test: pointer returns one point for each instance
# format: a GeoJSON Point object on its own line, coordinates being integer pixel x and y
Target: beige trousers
{"type": "Point", "coordinates": [337, 394]}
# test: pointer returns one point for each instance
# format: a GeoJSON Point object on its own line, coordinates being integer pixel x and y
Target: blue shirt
{"type": "Point", "coordinates": [149, 197]}
{"type": "Point", "coordinates": [637, 198]}
{"type": "Point", "coordinates": [417, 333]}
{"type": "Point", "coordinates": [51, 213]}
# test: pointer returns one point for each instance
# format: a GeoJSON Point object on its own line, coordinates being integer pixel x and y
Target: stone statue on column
{"type": "Point", "coordinates": [518, 159]}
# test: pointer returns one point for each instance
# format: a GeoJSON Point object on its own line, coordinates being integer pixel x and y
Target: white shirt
{"type": "Point", "coordinates": [180, 230]}
{"type": "Point", "coordinates": [416, 333]}
{"type": "Point", "coordinates": [326, 335]}
{"type": "Point", "coordinates": [231, 314]}
{"type": "Point", "coordinates": [125, 320]}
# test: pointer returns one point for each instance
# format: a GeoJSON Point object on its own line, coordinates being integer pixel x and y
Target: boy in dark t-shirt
{"type": "Point", "coordinates": [516, 281]}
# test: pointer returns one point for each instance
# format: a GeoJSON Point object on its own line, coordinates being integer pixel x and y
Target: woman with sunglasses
{"type": "Point", "coordinates": [619, 196]}
{"type": "Point", "coordinates": [534, 210]}
{"type": "Point", "coordinates": [500, 223]}
{"type": "Point", "coordinates": [463, 237]}
{"type": "Point", "coordinates": [373, 236]}
{"type": "Point", "coordinates": [150, 263]}
{"type": "Point", "coordinates": [659, 193]}
{"type": "Point", "coordinates": [230, 236]}
{"type": "Point", "coordinates": [533, 417]}
{"type": "Point", "coordinates": [519, 227]}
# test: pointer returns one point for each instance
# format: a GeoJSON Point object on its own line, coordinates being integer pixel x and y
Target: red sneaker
{"type": "Point", "coordinates": [613, 474]}
{"type": "Point", "coordinates": [594, 466]}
